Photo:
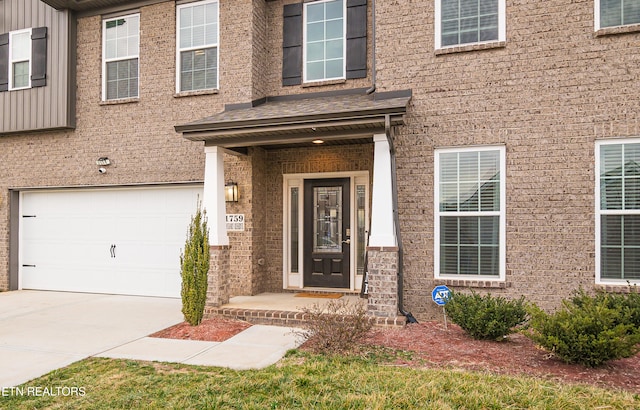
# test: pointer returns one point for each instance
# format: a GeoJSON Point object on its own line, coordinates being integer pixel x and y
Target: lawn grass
{"type": "Point", "coordinates": [302, 380]}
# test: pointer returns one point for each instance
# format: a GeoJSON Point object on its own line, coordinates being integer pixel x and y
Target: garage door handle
{"type": "Point", "coordinates": [28, 266]}
{"type": "Point", "coordinates": [113, 251]}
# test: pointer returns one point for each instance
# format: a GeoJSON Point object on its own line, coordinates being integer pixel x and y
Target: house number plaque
{"type": "Point", "coordinates": [235, 222]}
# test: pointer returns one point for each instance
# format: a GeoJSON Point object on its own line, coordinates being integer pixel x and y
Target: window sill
{"type": "Point", "coordinates": [323, 83]}
{"type": "Point", "coordinates": [609, 31]}
{"type": "Point", "coordinates": [196, 92]}
{"type": "Point", "coordinates": [621, 288]}
{"type": "Point", "coordinates": [471, 47]}
{"type": "Point", "coordinates": [120, 101]}
{"type": "Point", "coordinates": [471, 283]}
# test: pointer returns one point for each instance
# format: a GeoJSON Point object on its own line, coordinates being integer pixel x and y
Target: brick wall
{"type": "Point", "coordinates": [547, 95]}
{"type": "Point", "coordinates": [247, 248]}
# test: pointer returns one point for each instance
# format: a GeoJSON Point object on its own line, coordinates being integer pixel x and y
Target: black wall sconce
{"type": "Point", "coordinates": [231, 192]}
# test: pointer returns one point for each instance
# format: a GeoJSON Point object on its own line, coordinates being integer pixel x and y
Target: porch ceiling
{"type": "Point", "coordinates": [336, 118]}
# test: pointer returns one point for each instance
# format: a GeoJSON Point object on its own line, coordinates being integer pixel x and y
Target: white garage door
{"type": "Point", "coordinates": [121, 241]}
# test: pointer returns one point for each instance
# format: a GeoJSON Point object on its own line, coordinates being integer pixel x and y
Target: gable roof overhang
{"type": "Point", "coordinates": [336, 118]}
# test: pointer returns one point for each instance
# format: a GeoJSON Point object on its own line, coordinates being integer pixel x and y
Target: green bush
{"type": "Point", "coordinates": [194, 263]}
{"type": "Point", "coordinates": [589, 330]}
{"type": "Point", "coordinates": [485, 317]}
{"type": "Point", "coordinates": [627, 303]}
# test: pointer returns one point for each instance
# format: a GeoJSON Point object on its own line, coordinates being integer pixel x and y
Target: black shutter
{"type": "Point", "coordinates": [356, 38]}
{"type": "Point", "coordinates": [292, 44]}
{"type": "Point", "coordinates": [4, 62]}
{"type": "Point", "coordinates": [39, 57]}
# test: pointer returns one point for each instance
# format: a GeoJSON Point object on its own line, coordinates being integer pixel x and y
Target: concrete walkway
{"type": "Point", "coordinates": [254, 348]}
{"type": "Point", "coordinates": [42, 331]}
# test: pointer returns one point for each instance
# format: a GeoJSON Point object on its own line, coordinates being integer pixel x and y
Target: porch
{"type": "Point", "coordinates": [287, 308]}
{"type": "Point", "coordinates": [315, 175]}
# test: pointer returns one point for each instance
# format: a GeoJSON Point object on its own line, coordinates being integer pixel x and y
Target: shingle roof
{"type": "Point", "coordinates": [299, 118]}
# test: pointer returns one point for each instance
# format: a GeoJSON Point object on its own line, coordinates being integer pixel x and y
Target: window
{"type": "Point", "coordinates": [613, 13]}
{"type": "Point", "coordinates": [197, 56]}
{"type": "Point", "coordinates": [23, 59]}
{"type": "Point", "coordinates": [121, 43]}
{"type": "Point", "coordinates": [470, 216]}
{"type": "Point", "coordinates": [324, 34]}
{"type": "Point", "coordinates": [324, 40]}
{"type": "Point", "coordinates": [20, 59]}
{"type": "Point", "coordinates": [618, 211]}
{"type": "Point", "coordinates": [460, 22]}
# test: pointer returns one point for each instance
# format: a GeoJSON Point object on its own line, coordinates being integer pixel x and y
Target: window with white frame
{"type": "Point", "coordinates": [470, 212]}
{"type": "Point", "coordinates": [460, 22]}
{"type": "Point", "coordinates": [197, 57]}
{"type": "Point", "coordinates": [121, 44]}
{"type": "Point", "coordinates": [614, 13]}
{"type": "Point", "coordinates": [618, 211]}
{"type": "Point", "coordinates": [324, 40]}
{"type": "Point", "coordinates": [20, 59]}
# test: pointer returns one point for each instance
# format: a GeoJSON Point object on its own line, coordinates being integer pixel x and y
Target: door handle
{"type": "Point", "coordinates": [348, 242]}
{"type": "Point", "coordinates": [112, 250]}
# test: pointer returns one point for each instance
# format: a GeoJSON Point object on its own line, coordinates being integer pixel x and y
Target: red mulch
{"type": "Point", "coordinates": [435, 346]}
{"type": "Point", "coordinates": [211, 330]}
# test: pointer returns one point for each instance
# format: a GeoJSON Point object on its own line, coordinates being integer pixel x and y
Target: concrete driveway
{"type": "Point", "coordinates": [42, 331]}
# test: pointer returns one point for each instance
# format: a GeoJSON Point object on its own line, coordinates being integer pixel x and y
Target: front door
{"type": "Point", "coordinates": [327, 232]}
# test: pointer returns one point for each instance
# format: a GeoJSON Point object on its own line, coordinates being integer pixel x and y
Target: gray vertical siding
{"type": "Point", "coordinates": [52, 106]}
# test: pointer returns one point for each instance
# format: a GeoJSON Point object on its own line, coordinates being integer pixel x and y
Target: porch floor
{"type": "Point", "coordinates": [284, 309]}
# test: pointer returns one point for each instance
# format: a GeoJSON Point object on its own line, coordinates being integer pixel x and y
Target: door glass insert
{"type": "Point", "coordinates": [327, 219]}
{"type": "Point", "coordinates": [360, 213]}
{"type": "Point", "coordinates": [294, 230]}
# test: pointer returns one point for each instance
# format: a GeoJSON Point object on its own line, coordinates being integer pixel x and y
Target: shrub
{"type": "Point", "coordinates": [627, 303]}
{"type": "Point", "coordinates": [335, 327]}
{"type": "Point", "coordinates": [485, 317]}
{"type": "Point", "coordinates": [589, 330]}
{"type": "Point", "coordinates": [194, 266]}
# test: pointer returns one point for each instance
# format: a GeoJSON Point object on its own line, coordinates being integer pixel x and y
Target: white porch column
{"type": "Point", "coordinates": [382, 225]}
{"type": "Point", "coordinates": [213, 196]}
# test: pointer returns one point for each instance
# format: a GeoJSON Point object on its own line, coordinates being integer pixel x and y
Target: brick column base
{"type": "Point", "coordinates": [218, 277]}
{"type": "Point", "coordinates": [383, 281]}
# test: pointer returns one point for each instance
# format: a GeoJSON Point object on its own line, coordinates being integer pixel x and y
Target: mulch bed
{"type": "Point", "coordinates": [434, 346]}
{"type": "Point", "coordinates": [211, 330]}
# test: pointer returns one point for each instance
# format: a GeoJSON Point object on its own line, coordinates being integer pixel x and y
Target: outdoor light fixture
{"type": "Point", "coordinates": [318, 141]}
{"type": "Point", "coordinates": [231, 192]}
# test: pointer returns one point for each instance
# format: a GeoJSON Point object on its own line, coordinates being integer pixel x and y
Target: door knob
{"type": "Point", "coordinates": [348, 241]}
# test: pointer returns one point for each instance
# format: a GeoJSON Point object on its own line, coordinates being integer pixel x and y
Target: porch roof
{"type": "Point", "coordinates": [342, 117]}
{"type": "Point", "coordinates": [92, 5]}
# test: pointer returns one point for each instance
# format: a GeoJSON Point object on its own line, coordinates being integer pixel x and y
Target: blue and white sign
{"type": "Point", "coordinates": [440, 295]}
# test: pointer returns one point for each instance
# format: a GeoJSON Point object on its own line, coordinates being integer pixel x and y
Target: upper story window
{"type": "Point", "coordinates": [23, 59]}
{"type": "Point", "coordinates": [197, 56]}
{"type": "Point", "coordinates": [121, 44]}
{"type": "Point", "coordinates": [470, 213]}
{"type": "Point", "coordinates": [20, 59]}
{"type": "Point", "coordinates": [324, 40]}
{"type": "Point", "coordinates": [460, 22]}
{"type": "Point", "coordinates": [613, 13]}
{"type": "Point", "coordinates": [618, 211]}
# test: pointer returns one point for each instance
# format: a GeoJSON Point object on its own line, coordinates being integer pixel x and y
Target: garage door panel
{"type": "Point", "coordinates": [124, 241]}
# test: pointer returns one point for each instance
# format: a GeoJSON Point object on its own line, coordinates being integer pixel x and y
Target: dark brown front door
{"type": "Point", "coordinates": [327, 233]}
